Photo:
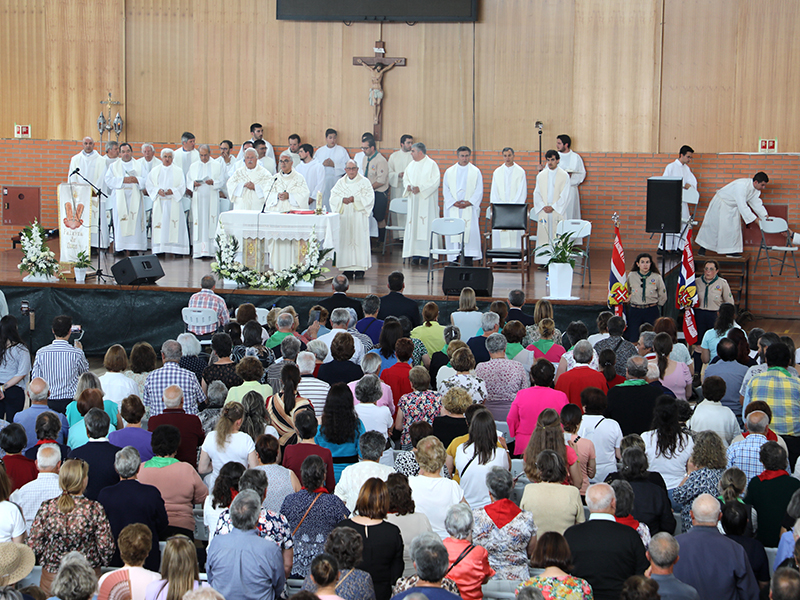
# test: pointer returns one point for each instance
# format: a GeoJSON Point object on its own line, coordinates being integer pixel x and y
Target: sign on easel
{"type": "Point", "coordinates": [74, 220]}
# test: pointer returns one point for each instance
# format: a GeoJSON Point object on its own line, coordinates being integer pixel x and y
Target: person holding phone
{"type": "Point", "coordinates": [60, 364]}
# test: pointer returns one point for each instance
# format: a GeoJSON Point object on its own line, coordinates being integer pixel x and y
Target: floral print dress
{"type": "Point", "coordinates": [418, 406]}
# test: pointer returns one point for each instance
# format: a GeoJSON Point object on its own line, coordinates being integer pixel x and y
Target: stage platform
{"type": "Point", "coordinates": [110, 313]}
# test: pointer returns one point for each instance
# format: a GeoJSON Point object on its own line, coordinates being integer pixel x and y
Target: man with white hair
{"type": "Point", "coordinates": [605, 553]}
{"type": "Point", "coordinates": [715, 565]}
{"type": "Point", "coordinates": [183, 158]}
{"type": "Point", "coordinates": [310, 387]}
{"type": "Point", "coordinates": [45, 487]}
{"type": "Point", "coordinates": [38, 392]}
{"type": "Point", "coordinates": [125, 180]}
{"type": "Point", "coordinates": [340, 319]}
{"type": "Point", "coordinates": [370, 448]}
{"type": "Point", "coordinates": [190, 426]}
{"type": "Point", "coordinates": [248, 186]}
{"type": "Point", "coordinates": [289, 191]}
{"type": "Point", "coordinates": [146, 164]}
{"type": "Point", "coordinates": [663, 554]}
{"type": "Point", "coordinates": [421, 179]}
{"type": "Point", "coordinates": [166, 185]}
{"type": "Point", "coordinates": [631, 402]}
{"type": "Point", "coordinates": [353, 198]}
{"type": "Point", "coordinates": [577, 379]}
{"type": "Point", "coordinates": [351, 329]}
{"type": "Point", "coordinates": [745, 454]}
{"type": "Point", "coordinates": [205, 179]}
{"type": "Point", "coordinates": [92, 166]}
{"type": "Point", "coordinates": [462, 188]}
{"type": "Point", "coordinates": [490, 322]}
{"type": "Point", "coordinates": [340, 284]}
{"type": "Point", "coordinates": [171, 375]}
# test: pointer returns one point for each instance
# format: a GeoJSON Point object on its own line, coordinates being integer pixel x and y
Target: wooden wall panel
{"type": "Point", "coordinates": [699, 75]}
{"type": "Point", "coordinates": [615, 75]}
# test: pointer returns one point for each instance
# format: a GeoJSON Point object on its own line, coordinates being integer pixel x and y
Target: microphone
{"type": "Point", "coordinates": [77, 170]}
{"type": "Point", "coordinates": [274, 180]}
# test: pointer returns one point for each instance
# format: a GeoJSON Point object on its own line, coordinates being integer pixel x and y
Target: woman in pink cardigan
{"type": "Point", "coordinates": [527, 405]}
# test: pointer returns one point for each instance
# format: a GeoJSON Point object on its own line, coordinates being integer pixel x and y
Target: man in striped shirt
{"type": "Point", "coordinates": [206, 298]}
{"type": "Point", "coordinates": [60, 365]}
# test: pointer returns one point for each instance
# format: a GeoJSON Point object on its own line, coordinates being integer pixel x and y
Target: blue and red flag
{"type": "Point", "coordinates": [618, 279]}
{"type": "Point", "coordinates": [686, 294]}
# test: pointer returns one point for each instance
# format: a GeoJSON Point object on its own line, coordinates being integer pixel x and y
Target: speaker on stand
{"type": "Point", "coordinates": [664, 197]}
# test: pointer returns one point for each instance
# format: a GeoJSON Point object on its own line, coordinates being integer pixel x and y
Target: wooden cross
{"type": "Point", "coordinates": [378, 65]}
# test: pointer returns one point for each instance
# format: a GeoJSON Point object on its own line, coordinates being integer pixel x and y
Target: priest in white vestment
{"type": "Point", "coordinates": [333, 157]}
{"type": "Point", "coordinates": [550, 199]}
{"type": "Point", "coordinates": [249, 186]}
{"type": "Point", "coordinates": [572, 163]}
{"type": "Point", "coordinates": [184, 157]}
{"type": "Point", "coordinates": [111, 156]}
{"type": "Point", "coordinates": [166, 185]}
{"type": "Point", "coordinates": [421, 178]}
{"type": "Point", "coordinates": [206, 179]}
{"type": "Point", "coordinates": [313, 172]}
{"type": "Point", "coordinates": [353, 198]}
{"type": "Point", "coordinates": [721, 231]}
{"type": "Point", "coordinates": [462, 188]}
{"type": "Point", "coordinates": [680, 168]}
{"type": "Point", "coordinates": [509, 186]}
{"type": "Point", "coordinates": [146, 164]}
{"type": "Point", "coordinates": [125, 180]}
{"type": "Point", "coordinates": [289, 193]}
{"type": "Point", "coordinates": [92, 166]}
{"type": "Point", "coordinates": [227, 161]}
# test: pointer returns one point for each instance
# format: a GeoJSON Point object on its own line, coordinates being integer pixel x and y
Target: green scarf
{"type": "Point", "coordinates": [632, 383]}
{"type": "Point", "coordinates": [781, 369]}
{"type": "Point", "coordinates": [544, 345]}
{"type": "Point", "coordinates": [708, 285]}
{"type": "Point", "coordinates": [160, 461]}
{"type": "Point", "coordinates": [644, 284]}
{"type": "Point", "coordinates": [513, 349]}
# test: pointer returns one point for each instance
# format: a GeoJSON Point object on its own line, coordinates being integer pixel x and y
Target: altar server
{"type": "Point", "coordinates": [462, 188]}
{"type": "Point", "coordinates": [509, 186]}
{"type": "Point", "coordinates": [550, 199]}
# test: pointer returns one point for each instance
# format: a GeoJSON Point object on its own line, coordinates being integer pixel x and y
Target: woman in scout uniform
{"type": "Point", "coordinates": [712, 291]}
{"type": "Point", "coordinates": [647, 295]}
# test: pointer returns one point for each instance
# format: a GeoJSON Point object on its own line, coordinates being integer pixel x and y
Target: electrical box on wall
{"type": "Point", "coordinates": [767, 146]}
{"type": "Point", "coordinates": [21, 205]}
{"type": "Point", "coordinates": [22, 131]}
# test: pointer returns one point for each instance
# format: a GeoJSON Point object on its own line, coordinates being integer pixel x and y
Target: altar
{"type": "Point", "coordinates": [253, 229]}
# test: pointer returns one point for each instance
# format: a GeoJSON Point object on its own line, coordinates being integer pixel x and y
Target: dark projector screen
{"type": "Point", "coordinates": [378, 10]}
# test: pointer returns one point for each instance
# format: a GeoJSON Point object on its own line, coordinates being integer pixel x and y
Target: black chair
{"type": "Point", "coordinates": [508, 217]}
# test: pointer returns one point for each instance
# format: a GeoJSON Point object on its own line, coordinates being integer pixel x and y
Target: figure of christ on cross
{"type": "Point", "coordinates": [378, 65]}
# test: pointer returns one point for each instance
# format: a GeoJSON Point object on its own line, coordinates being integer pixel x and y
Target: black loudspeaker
{"type": "Point", "coordinates": [479, 279]}
{"type": "Point", "coordinates": [664, 195]}
{"type": "Point", "coordinates": [137, 270]}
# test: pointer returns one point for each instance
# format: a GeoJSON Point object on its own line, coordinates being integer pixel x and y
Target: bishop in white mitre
{"type": "Point", "coordinates": [183, 159]}
{"type": "Point", "coordinates": [125, 180]}
{"type": "Point", "coordinates": [206, 178]}
{"type": "Point", "coordinates": [421, 178]}
{"type": "Point", "coordinates": [462, 188]}
{"type": "Point", "coordinates": [313, 171]}
{"type": "Point", "coordinates": [248, 187]}
{"type": "Point", "coordinates": [572, 163]}
{"type": "Point", "coordinates": [166, 185]}
{"type": "Point", "coordinates": [550, 200]}
{"type": "Point", "coordinates": [333, 157]}
{"type": "Point", "coordinates": [145, 165]}
{"type": "Point", "coordinates": [353, 198]}
{"type": "Point", "coordinates": [289, 193]}
{"type": "Point", "coordinates": [509, 186]}
{"type": "Point", "coordinates": [92, 166]}
{"type": "Point", "coordinates": [679, 168]}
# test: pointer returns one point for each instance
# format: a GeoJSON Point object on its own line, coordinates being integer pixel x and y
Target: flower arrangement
{"type": "Point", "coordinates": [228, 267]}
{"type": "Point", "coordinates": [37, 258]}
{"type": "Point", "coordinates": [84, 261]}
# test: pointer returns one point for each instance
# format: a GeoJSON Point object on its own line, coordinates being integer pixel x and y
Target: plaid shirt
{"type": "Point", "coordinates": [208, 299]}
{"type": "Point", "coordinates": [782, 393]}
{"type": "Point", "coordinates": [171, 374]}
{"type": "Point", "coordinates": [745, 455]}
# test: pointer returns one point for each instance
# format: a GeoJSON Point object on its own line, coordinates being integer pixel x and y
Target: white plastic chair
{"type": "Point", "coordinates": [775, 225]}
{"type": "Point", "coordinates": [580, 229]}
{"type": "Point", "coordinates": [199, 317]}
{"type": "Point", "coordinates": [261, 315]}
{"type": "Point", "coordinates": [397, 207]}
{"type": "Point", "coordinates": [446, 228]}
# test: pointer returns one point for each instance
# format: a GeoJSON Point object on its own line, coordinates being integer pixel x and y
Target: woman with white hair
{"type": "Point", "coordinates": [375, 418]}
{"type": "Point", "coordinates": [503, 377]}
{"type": "Point", "coordinates": [431, 562]}
{"type": "Point", "coordinates": [190, 355]}
{"type": "Point", "coordinates": [469, 564]}
{"type": "Point", "coordinates": [371, 365]}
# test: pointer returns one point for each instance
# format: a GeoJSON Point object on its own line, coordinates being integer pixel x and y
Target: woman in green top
{"type": "Point", "coordinates": [430, 333]}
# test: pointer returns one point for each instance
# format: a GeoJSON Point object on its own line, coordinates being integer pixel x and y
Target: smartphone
{"type": "Point", "coordinates": [75, 329]}
{"type": "Point", "coordinates": [24, 307]}
{"type": "Point", "coordinates": [314, 315]}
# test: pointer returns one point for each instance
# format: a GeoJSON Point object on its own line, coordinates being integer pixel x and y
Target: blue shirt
{"type": "Point", "coordinates": [243, 565]}
{"type": "Point", "coordinates": [27, 418]}
{"type": "Point", "coordinates": [341, 451]}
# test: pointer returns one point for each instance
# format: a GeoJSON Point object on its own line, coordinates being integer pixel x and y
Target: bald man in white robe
{"type": "Point", "coordinates": [206, 178]}
{"type": "Point", "coordinates": [93, 167]}
{"type": "Point", "coordinates": [125, 180]}
{"type": "Point", "coordinates": [248, 187]}
{"type": "Point", "coordinates": [289, 192]}
{"type": "Point", "coordinates": [166, 184]}
{"type": "Point", "coordinates": [145, 165]}
{"type": "Point", "coordinates": [421, 178]}
{"type": "Point", "coordinates": [462, 189]}
{"type": "Point", "coordinates": [509, 186]}
{"type": "Point", "coordinates": [550, 200]}
{"type": "Point", "coordinates": [353, 198]}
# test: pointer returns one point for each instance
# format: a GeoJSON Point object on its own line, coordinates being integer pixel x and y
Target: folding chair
{"type": "Point", "coordinates": [444, 228]}
{"type": "Point", "coordinates": [775, 225]}
{"type": "Point", "coordinates": [397, 207]}
{"type": "Point", "coordinates": [199, 317]}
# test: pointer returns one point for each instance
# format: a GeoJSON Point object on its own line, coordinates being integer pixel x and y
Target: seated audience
{"type": "Point", "coordinates": [192, 434]}
{"type": "Point", "coordinates": [475, 457]}
{"type": "Point", "coordinates": [341, 369]}
{"type": "Point", "coordinates": [581, 375]}
{"type": "Point", "coordinates": [503, 378]}
{"type": "Point", "coordinates": [38, 392]}
{"type": "Point", "coordinates": [310, 387]}
{"type": "Point", "coordinates": [140, 363]}
{"type": "Point", "coordinates": [132, 412]}
{"type": "Point", "coordinates": [548, 435]}
{"type": "Point", "coordinates": [180, 572]}
{"type": "Point", "coordinates": [464, 364]}
{"type": "Point", "coordinates": [251, 372]}
{"type": "Point", "coordinates": [431, 333]}
{"type": "Point", "coordinates": [624, 495]}
{"type": "Point", "coordinates": [769, 493]}
{"type": "Point", "coordinates": [88, 399]}
{"type": "Point", "coordinates": [226, 486]}
{"type": "Point", "coordinates": [663, 554]}
{"type": "Point", "coordinates": [469, 563]}
{"type": "Point", "coordinates": [490, 323]}
{"type": "Point", "coordinates": [431, 561]}
{"type": "Point", "coordinates": [529, 402]}
{"type": "Point", "coordinates": [514, 332]}
{"type": "Point", "coordinates": [576, 331]}
{"type": "Point", "coordinates": [673, 374]}
{"type": "Point", "coordinates": [346, 546]}
{"type": "Point", "coordinates": [98, 453]}
{"type": "Point", "coordinates": [20, 469]}
{"type": "Point", "coordinates": [545, 346]}
{"type": "Point", "coordinates": [12, 526]}
{"type": "Point", "coordinates": [217, 393]}
{"type": "Point", "coordinates": [370, 449]}
{"type": "Point", "coordinates": [402, 512]}
{"type": "Point", "coordinates": [375, 418]}
{"type": "Point", "coordinates": [552, 554]}
{"type": "Point", "coordinates": [76, 579]}
{"type": "Point", "coordinates": [135, 542]}
{"type": "Point", "coordinates": [341, 428]}
{"type": "Point", "coordinates": [554, 506]}
{"type": "Point", "coordinates": [397, 375]}
{"type": "Point", "coordinates": [282, 481]}
{"type": "Point", "coordinates": [704, 470]}
{"type": "Point", "coordinates": [651, 505]}
{"type": "Point", "coordinates": [406, 461]}
{"type": "Point", "coordinates": [571, 417]}
{"type": "Point", "coordinates": [735, 517]}
{"type": "Point", "coordinates": [30, 496]}
{"type": "Point", "coordinates": [115, 384]}
{"type": "Point", "coordinates": [48, 426]}
{"type": "Point", "coordinates": [712, 415]}
{"type": "Point", "coordinates": [284, 406]}
{"type": "Point", "coordinates": [667, 445]}
{"type": "Point", "coordinates": [293, 456]}
{"type": "Point", "coordinates": [226, 444]}
{"type": "Point", "coordinates": [451, 422]}
{"type": "Point", "coordinates": [631, 402]}
{"type": "Point", "coordinates": [190, 355]}
{"type": "Point", "coordinates": [223, 369]}
{"type": "Point", "coordinates": [623, 349]}
{"type": "Point", "coordinates": [422, 404]}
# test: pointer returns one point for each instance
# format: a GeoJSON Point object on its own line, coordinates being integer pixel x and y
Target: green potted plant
{"type": "Point", "coordinates": [561, 253]}
{"type": "Point", "coordinates": [82, 264]}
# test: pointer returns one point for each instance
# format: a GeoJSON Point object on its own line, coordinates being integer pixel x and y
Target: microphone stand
{"type": "Point", "coordinates": [266, 199]}
{"type": "Point", "coordinates": [98, 272]}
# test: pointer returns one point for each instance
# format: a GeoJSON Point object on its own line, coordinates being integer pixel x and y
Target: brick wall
{"type": "Point", "coordinates": [614, 182]}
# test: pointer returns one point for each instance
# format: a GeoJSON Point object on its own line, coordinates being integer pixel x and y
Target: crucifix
{"type": "Point", "coordinates": [378, 65]}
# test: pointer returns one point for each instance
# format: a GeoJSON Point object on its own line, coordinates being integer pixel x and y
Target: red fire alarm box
{"type": "Point", "coordinates": [21, 205]}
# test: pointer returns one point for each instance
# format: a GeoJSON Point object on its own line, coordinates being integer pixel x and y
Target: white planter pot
{"type": "Point", "coordinates": [40, 278]}
{"type": "Point", "coordinates": [304, 286]}
{"type": "Point", "coordinates": [560, 280]}
{"type": "Point", "coordinates": [80, 274]}
{"type": "Point", "coordinates": [229, 284]}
